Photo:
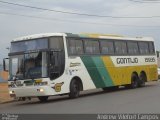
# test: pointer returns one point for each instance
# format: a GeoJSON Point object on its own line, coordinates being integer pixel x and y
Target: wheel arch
{"type": "Point", "coordinates": [79, 81]}
{"type": "Point", "coordinates": [134, 73]}
{"type": "Point", "coordinates": [144, 73]}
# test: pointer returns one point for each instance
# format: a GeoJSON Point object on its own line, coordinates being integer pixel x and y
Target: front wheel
{"type": "Point", "coordinates": [74, 89]}
{"type": "Point", "coordinates": [43, 98]}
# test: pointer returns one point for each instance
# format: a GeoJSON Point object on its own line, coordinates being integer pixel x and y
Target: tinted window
{"type": "Point", "coordinates": [120, 47]}
{"type": "Point", "coordinates": [79, 46]}
{"type": "Point", "coordinates": [72, 46]}
{"type": "Point", "coordinates": [91, 47]}
{"type": "Point", "coordinates": [151, 47]}
{"type": "Point", "coordinates": [107, 47]}
{"type": "Point", "coordinates": [36, 44]}
{"type": "Point", "coordinates": [56, 43]}
{"type": "Point", "coordinates": [143, 47]}
{"type": "Point", "coordinates": [75, 46]}
{"type": "Point", "coordinates": [132, 47]}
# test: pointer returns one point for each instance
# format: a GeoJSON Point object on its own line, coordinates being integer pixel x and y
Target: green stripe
{"type": "Point", "coordinates": [97, 71]}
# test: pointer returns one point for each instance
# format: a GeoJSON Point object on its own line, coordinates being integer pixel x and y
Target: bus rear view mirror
{"type": "Point", "coordinates": [6, 64]}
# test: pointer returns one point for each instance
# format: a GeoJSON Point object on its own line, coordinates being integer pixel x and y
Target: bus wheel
{"type": "Point", "coordinates": [142, 79]}
{"type": "Point", "coordinates": [74, 89]}
{"type": "Point", "coordinates": [134, 81]}
{"type": "Point", "coordinates": [43, 98]}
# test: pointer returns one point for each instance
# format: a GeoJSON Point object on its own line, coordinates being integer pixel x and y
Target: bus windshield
{"type": "Point", "coordinates": [35, 44]}
{"type": "Point", "coordinates": [29, 66]}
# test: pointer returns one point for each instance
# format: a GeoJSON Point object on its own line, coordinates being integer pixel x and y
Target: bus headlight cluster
{"type": "Point", "coordinates": [11, 86]}
{"type": "Point", "coordinates": [11, 92]}
{"type": "Point", "coordinates": [40, 90]}
{"type": "Point", "coordinates": [41, 83]}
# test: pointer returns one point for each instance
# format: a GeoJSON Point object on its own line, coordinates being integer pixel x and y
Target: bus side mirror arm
{"type": "Point", "coordinates": [6, 64]}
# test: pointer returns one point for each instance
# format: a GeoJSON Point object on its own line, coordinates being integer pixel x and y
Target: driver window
{"type": "Point", "coordinates": [53, 59]}
{"type": "Point", "coordinates": [54, 65]}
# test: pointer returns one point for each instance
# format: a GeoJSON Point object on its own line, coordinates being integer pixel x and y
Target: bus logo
{"type": "Point", "coordinates": [127, 60]}
{"type": "Point", "coordinates": [75, 64]}
{"type": "Point", "coordinates": [58, 86]}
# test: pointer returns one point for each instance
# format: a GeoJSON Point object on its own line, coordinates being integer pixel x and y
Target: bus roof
{"type": "Point", "coordinates": [117, 37]}
{"type": "Point", "coordinates": [84, 35]}
{"type": "Point", "coordinates": [35, 36]}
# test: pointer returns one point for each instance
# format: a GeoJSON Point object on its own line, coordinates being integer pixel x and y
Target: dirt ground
{"type": "Point", "coordinates": [4, 94]}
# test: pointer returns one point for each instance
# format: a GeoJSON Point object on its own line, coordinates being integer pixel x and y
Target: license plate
{"type": "Point", "coordinates": [13, 95]}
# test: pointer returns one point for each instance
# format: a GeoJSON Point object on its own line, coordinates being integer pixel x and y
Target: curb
{"type": "Point", "coordinates": [10, 101]}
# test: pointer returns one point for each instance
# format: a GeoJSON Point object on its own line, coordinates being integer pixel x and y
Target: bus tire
{"type": "Point", "coordinates": [134, 81]}
{"type": "Point", "coordinates": [43, 98]}
{"type": "Point", "coordinates": [74, 89]}
{"type": "Point", "coordinates": [142, 79]}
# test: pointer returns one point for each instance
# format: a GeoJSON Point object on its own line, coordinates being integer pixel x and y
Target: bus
{"type": "Point", "coordinates": [49, 64]}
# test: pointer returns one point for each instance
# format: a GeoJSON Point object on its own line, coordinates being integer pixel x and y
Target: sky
{"type": "Point", "coordinates": [12, 26]}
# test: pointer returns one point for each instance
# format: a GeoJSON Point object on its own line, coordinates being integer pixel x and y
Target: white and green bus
{"type": "Point", "coordinates": [44, 65]}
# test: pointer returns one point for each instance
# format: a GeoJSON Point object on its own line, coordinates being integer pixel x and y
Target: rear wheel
{"type": "Point", "coordinates": [74, 89]}
{"type": "Point", "coordinates": [142, 80]}
{"type": "Point", "coordinates": [43, 98]}
{"type": "Point", "coordinates": [134, 82]}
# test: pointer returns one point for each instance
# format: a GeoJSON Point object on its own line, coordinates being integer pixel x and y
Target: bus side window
{"type": "Point", "coordinates": [151, 48]}
{"type": "Point", "coordinates": [92, 46]}
{"type": "Point", "coordinates": [56, 43]}
{"type": "Point", "coordinates": [75, 47]}
{"type": "Point", "coordinates": [132, 47]}
{"type": "Point", "coordinates": [120, 47]}
{"type": "Point", "coordinates": [107, 47]}
{"type": "Point", "coordinates": [144, 47]}
{"type": "Point", "coordinates": [72, 46]}
{"type": "Point", "coordinates": [79, 46]}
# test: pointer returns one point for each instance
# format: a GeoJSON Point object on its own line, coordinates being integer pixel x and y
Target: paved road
{"type": "Point", "coordinates": [140, 100]}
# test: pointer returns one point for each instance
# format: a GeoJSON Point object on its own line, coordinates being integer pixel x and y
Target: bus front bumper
{"type": "Point", "coordinates": [32, 91]}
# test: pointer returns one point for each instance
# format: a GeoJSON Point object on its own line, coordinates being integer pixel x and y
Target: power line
{"type": "Point", "coordinates": [146, 1]}
{"type": "Point", "coordinates": [73, 21]}
{"type": "Point", "coordinates": [75, 13]}
{"type": "Point", "coordinates": [52, 10]}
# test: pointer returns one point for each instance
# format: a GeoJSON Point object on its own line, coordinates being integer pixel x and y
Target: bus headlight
{"type": "Point", "coordinates": [40, 90]}
{"type": "Point", "coordinates": [11, 92]}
